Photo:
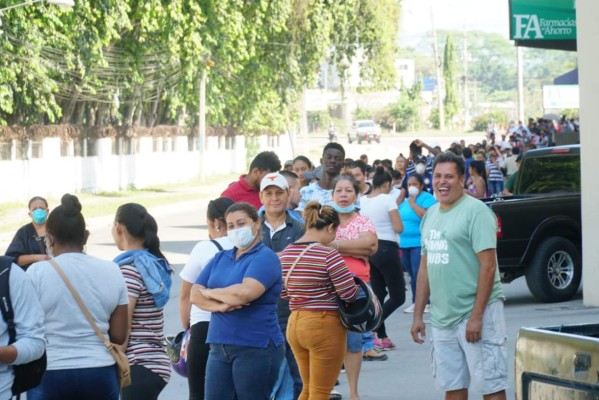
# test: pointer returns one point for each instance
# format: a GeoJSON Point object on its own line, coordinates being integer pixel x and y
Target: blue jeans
{"type": "Point", "coordinates": [78, 384]}
{"type": "Point", "coordinates": [291, 363]}
{"type": "Point", "coordinates": [495, 187]}
{"type": "Point", "coordinates": [410, 259]}
{"type": "Point", "coordinates": [242, 372]}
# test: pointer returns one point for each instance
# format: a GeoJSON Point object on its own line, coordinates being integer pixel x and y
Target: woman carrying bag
{"type": "Point", "coordinates": [318, 279]}
{"type": "Point", "coordinates": [79, 364]}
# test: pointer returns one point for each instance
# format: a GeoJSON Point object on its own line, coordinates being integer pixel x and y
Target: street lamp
{"type": "Point", "coordinates": [60, 3]}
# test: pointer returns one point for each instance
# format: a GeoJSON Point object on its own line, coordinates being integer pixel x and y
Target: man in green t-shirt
{"type": "Point", "coordinates": [458, 271]}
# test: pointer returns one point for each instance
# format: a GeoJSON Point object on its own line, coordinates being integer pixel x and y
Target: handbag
{"type": "Point", "coordinates": [120, 358]}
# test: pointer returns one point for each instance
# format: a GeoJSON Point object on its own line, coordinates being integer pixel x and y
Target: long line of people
{"type": "Point", "coordinates": [260, 297]}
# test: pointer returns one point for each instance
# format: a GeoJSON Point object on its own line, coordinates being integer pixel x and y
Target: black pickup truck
{"type": "Point", "coordinates": [539, 227]}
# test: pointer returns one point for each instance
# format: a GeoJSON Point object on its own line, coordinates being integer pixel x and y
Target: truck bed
{"type": "Point", "coordinates": [560, 362]}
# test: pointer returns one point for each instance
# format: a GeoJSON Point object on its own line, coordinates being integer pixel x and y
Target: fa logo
{"type": "Point", "coordinates": [527, 24]}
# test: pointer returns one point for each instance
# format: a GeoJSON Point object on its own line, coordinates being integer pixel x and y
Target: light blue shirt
{"type": "Point", "coordinates": [29, 321]}
{"type": "Point", "coordinates": [410, 237]}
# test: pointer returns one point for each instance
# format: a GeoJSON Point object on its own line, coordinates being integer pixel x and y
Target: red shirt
{"type": "Point", "coordinates": [241, 191]}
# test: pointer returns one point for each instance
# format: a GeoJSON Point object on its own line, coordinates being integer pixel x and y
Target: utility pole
{"type": "Point", "coordinates": [202, 126]}
{"type": "Point", "coordinates": [520, 83]}
{"type": "Point", "coordinates": [466, 95]}
{"type": "Point", "coordinates": [440, 91]}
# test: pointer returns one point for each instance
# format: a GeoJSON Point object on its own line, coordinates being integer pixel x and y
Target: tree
{"type": "Point", "coordinates": [139, 63]}
{"type": "Point", "coordinates": [451, 100]}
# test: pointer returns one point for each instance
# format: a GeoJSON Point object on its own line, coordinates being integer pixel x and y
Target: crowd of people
{"type": "Point", "coordinates": [261, 298]}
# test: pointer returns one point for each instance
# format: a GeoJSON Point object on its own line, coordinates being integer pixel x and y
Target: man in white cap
{"type": "Point", "coordinates": [279, 230]}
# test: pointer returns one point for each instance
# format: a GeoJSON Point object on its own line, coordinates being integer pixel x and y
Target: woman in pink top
{"type": "Point", "coordinates": [356, 240]}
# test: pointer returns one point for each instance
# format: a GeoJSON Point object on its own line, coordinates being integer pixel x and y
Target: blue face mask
{"type": "Point", "coordinates": [39, 215]}
{"type": "Point", "coordinates": [344, 210]}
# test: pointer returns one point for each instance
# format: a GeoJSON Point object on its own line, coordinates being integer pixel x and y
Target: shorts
{"type": "Point", "coordinates": [354, 342]}
{"type": "Point", "coordinates": [457, 364]}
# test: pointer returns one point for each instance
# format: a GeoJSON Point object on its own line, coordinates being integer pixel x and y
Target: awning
{"type": "Point", "coordinates": [569, 78]}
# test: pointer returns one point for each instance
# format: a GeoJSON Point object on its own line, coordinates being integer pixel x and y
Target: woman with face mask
{"type": "Point", "coordinates": [386, 275]}
{"type": "Point", "coordinates": [356, 240]}
{"type": "Point", "coordinates": [411, 212]}
{"type": "Point", "coordinates": [29, 243]}
{"type": "Point", "coordinates": [241, 287]}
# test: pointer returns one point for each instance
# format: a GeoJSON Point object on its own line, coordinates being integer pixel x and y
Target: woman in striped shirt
{"type": "Point", "coordinates": [318, 279]}
{"type": "Point", "coordinates": [147, 275]}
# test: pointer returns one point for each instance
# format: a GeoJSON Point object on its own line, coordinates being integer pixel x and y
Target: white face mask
{"type": "Point", "coordinates": [241, 237]}
{"type": "Point", "coordinates": [413, 191]}
{"type": "Point", "coordinates": [420, 169]}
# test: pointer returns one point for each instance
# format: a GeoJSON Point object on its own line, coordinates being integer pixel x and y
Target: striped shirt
{"type": "Point", "coordinates": [495, 174]}
{"type": "Point", "coordinates": [146, 344]}
{"type": "Point", "coordinates": [318, 279]}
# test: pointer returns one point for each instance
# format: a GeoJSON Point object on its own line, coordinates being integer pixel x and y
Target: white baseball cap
{"type": "Point", "coordinates": [274, 179]}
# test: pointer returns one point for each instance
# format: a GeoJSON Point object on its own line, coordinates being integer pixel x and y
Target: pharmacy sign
{"type": "Point", "coordinates": [542, 20]}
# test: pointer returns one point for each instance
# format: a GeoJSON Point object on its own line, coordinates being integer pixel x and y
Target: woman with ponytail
{"type": "Point", "coordinates": [315, 278]}
{"type": "Point", "coordinates": [147, 274]}
{"type": "Point", "coordinates": [192, 316]}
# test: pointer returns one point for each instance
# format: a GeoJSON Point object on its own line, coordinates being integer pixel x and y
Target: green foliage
{"type": "Point", "coordinates": [405, 114]}
{"type": "Point", "coordinates": [451, 100]}
{"type": "Point", "coordinates": [139, 62]}
{"type": "Point", "coordinates": [319, 120]}
{"type": "Point", "coordinates": [483, 121]}
{"type": "Point", "coordinates": [362, 113]}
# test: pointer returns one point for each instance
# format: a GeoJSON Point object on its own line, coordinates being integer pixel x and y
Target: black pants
{"type": "Point", "coordinates": [386, 277]}
{"type": "Point", "coordinates": [145, 385]}
{"type": "Point", "coordinates": [197, 358]}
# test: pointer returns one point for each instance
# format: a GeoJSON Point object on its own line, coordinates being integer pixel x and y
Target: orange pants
{"type": "Point", "coordinates": [318, 341]}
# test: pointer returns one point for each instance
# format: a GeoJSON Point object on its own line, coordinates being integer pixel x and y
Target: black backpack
{"type": "Point", "coordinates": [27, 376]}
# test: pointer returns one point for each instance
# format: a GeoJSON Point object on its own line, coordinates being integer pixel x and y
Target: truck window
{"type": "Point", "coordinates": [550, 174]}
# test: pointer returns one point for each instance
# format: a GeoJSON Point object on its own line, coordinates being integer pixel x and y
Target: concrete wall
{"type": "Point", "coordinates": [53, 175]}
{"type": "Point", "coordinates": [587, 15]}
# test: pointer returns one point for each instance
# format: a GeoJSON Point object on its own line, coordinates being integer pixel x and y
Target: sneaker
{"type": "Point", "coordinates": [409, 310]}
{"type": "Point", "coordinates": [427, 308]}
{"type": "Point", "coordinates": [335, 395]}
{"type": "Point", "coordinates": [387, 344]}
{"type": "Point", "coordinates": [373, 355]}
{"type": "Point", "coordinates": [378, 343]}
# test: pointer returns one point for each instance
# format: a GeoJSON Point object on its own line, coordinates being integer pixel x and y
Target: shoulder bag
{"type": "Point", "coordinates": [120, 358]}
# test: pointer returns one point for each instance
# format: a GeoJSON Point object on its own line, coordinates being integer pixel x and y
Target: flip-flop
{"type": "Point", "coordinates": [378, 357]}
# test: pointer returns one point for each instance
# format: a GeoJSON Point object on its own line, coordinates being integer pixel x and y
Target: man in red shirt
{"type": "Point", "coordinates": [247, 188]}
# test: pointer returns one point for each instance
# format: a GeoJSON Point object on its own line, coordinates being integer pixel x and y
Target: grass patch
{"type": "Point", "coordinates": [14, 214]}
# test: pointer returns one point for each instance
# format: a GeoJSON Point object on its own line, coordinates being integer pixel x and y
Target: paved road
{"type": "Point", "coordinates": [406, 375]}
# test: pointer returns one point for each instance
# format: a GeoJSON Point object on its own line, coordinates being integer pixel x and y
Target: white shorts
{"type": "Point", "coordinates": [457, 364]}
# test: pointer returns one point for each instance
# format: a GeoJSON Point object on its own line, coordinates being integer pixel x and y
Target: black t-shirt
{"type": "Point", "coordinates": [26, 241]}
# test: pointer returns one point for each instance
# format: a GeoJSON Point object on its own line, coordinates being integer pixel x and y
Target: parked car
{"type": "Point", "coordinates": [539, 233]}
{"type": "Point", "coordinates": [364, 130]}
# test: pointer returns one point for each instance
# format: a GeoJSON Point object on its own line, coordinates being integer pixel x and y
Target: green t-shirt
{"type": "Point", "coordinates": [450, 240]}
{"type": "Point", "coordinates": [511, 182]}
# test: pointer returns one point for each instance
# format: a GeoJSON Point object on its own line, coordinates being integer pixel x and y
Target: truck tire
{"type": "Point", "coordinates": [555, 271]}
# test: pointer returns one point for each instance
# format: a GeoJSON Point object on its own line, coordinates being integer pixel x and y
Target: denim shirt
{"type": "Point", "coordinates": [155, 271]}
